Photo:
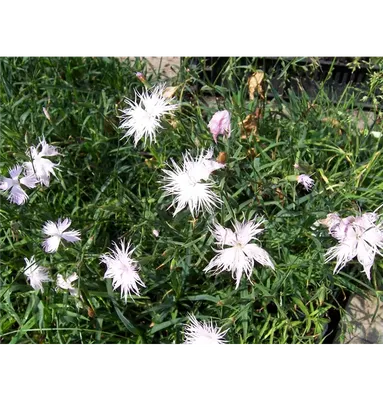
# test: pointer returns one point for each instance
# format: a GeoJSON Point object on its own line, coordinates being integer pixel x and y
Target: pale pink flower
{"type": "Point", "coordinates": [56, 231]}
{"type": "Point", "coordinates": [141, 77]}
{"type": "Point", "coordinates": [220, 124]}
{"type": "Point", "coordinates": [17, 195]}
{"type": "Point", "coordinates": [239, 254]}
{"type": "Point", "coordinates": [306, 181]}
{"type": "Point", "coordinates": [358, 237]}
{"type": "Point", "coordinates": [155, 233]}
{"type": "Point", "coordinates": [203, 333]}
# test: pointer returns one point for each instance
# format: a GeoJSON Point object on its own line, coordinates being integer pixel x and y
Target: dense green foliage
{"type": "Point", "coordinates": [111, 190]}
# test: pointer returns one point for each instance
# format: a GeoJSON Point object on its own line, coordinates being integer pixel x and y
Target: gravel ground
{"type": "Point", "coordinates": [167, 66]}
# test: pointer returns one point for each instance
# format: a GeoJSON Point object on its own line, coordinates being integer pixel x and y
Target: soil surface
{"type": "Point", "coordinates": [166, 66]}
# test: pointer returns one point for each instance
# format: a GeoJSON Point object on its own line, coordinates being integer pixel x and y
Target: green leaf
{"type": "Point", "coordinates": [128, 325]}
{"type": "Point", "coordinates": [165, 325]}
{"type": "Point", "coordinates": [203, 297]}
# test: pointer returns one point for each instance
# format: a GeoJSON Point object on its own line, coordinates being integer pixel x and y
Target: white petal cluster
{"type": "Point", "coordinates": [66, 284]}
{"type": "Point", "coordinates": [306, 181]}
{"type": "Point", "coordinates": [203, 337]}
{"type": "Point", "coordinates": [191, 184]}
{"type": "Point", "coordinates": [239, 254]}
{"type": "Point", "coordinates": [40, 166]}
{"type": "Point", "coordinates": [359, 237]}
{"type": "Point", "coordinates": [35, 274]}
{"type": "Point", "coordinates": [56, 231]}
{"type": "Point", "coordinates": [122, 269]}
{"type": "Point", "coordinates": [142, 118]}
{"type": "Point", "coordinates": [13, 184]}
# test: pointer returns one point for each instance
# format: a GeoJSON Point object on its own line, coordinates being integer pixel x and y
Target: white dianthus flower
{"type": "Point", "coordinates": [66, 284]}
{"type": "Point", "coordinates": [191, 183]}
{"type": "Point", "coordinates": [203, 337]}
{"type": "Point", "coordinates": [142, 118]}
{"type": "Point", "coordinates": [239, 255]}
{"type": "Point", "coordinates": [56, 231]}
{"type": "Point", "coordinates": [35, 274]}
{"type": "Point", "coordinates": [17, 194]}
{"type": "Point", "coordinates": [122, 269]}
{"type": "Point", "coordinates": [40, 166]}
